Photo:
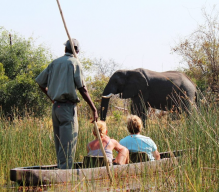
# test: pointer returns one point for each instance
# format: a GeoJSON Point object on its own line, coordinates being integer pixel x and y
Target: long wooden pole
{"type": "Point", "coordinates": [69, 37]}
{"type": "Point", "coordinates": [103, 151]}
{"type": "Point", "coordinates": [95, 124]}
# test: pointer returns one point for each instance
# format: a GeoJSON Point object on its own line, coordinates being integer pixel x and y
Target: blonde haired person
{"type": "Point", "coordinates": [135, 142]}
{"type": "Point", "coordinates": [93, 148]}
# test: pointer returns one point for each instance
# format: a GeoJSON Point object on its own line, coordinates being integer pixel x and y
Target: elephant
{"type": "Point", "coordinates": [146, 88]}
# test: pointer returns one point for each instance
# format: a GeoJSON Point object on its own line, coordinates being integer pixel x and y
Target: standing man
{"type": "Point", "coordinates": [59, 82]}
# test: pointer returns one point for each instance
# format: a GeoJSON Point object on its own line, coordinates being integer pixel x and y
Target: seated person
{"type": "Point", "coordinates": [136, 142]}
{"type": "Point", "coordinates": [93, 148]}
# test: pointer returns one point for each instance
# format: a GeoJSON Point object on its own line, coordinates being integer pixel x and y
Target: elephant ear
{"type": "Point", "coordinates": [136, 83]}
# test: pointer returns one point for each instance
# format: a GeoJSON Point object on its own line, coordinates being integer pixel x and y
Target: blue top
{"type": "Point", "coordinates": [98, 152]}
{"type": "Point", "coordinates": [139, 143]}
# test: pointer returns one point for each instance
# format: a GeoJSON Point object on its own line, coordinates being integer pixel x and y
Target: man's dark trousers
{"type": "Point", "coordinates": [65, 127]}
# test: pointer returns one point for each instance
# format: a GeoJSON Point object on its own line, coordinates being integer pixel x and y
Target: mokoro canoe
{"type": "Point", "coordinates": [49, 174]}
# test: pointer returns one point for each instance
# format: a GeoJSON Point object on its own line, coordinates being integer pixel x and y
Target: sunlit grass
{"type": "Point", "coordinates": [29, 141]}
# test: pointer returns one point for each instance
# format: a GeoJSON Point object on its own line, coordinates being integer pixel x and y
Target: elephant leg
{"type": "Point", "coordinates": [132, 108]}
{"type": "Point", "coordinates": [137, 108]}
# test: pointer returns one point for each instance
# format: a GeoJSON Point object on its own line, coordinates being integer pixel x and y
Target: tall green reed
{"type": "Point", "coordinates": [29, 141]}
{"type": "Point", "coordinates": [25, 142]}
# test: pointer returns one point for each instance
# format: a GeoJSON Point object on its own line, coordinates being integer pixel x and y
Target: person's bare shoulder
{"type": "Point", "coordinates": [114, 141]}
{"type": "Point", "coordinates": [92, 143]}
{"type": "Point", "coordinates": [117, 145]}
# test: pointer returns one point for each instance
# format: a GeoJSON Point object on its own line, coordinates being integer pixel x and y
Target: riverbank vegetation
{"type": "Point", "coordinates": [29, 141]}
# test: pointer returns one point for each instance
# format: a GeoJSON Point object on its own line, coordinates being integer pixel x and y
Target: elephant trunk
{"type": "Point", "coordinates": [104, 108]}
{"type": "Point", "coordinates": [108, 92]}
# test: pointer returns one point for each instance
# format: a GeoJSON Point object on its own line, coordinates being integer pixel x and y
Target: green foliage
{"type": "Point", "coordinates": [20, 63]}
{"type": "Point", "coordinates": [117, 115]}
{"type": "Point", "coordinates": [3, 80]}
{"type": "Point", "coordinates": [87, 64]}
{"type": "Point", "coordinates": [97, 86]}
{"type": "Point", "coordinates": [202, 83]}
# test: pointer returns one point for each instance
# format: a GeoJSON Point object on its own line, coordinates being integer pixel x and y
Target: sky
{"type": "Point", "coordinates": [134, 33]}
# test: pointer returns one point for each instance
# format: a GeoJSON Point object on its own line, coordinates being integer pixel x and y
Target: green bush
{"type": "Point", "coordinates": [117, 115]}
{"type": "Point", "coordinates": [20, 63]}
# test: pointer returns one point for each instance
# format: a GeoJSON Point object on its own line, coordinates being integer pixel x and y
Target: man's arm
{"type": "Point", "coordinates": [84, 93]}
{"type": "Point", "coordinates": [44, 90]}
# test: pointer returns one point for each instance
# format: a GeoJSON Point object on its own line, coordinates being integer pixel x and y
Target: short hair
{"type": "Point", "coordinates": [134, 124]}
{"type": "Point", "coordinates": [70, 50]}
{"type": "Point", "coordinates": [101, 126]}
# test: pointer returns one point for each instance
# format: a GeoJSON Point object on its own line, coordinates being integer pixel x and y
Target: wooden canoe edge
{"type": "Point", "coordinates": [27, 176]}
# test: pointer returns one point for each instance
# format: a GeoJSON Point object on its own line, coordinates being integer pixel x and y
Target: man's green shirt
{"type": "Point", "coordinates": [62, 77]}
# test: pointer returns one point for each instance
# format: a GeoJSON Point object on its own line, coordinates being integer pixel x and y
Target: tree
{"type": "Point", "coordinates": [20, 63]}
{"type": "Point", "coordinates": [106, 68]}
{"type": "Point", "coordinates": [200, 51]}
{"type": "Point", "coordinates": [98, 66]}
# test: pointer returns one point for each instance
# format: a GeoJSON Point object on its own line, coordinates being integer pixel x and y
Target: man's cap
{"type": "Point", "coordinates": [75, 42]}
